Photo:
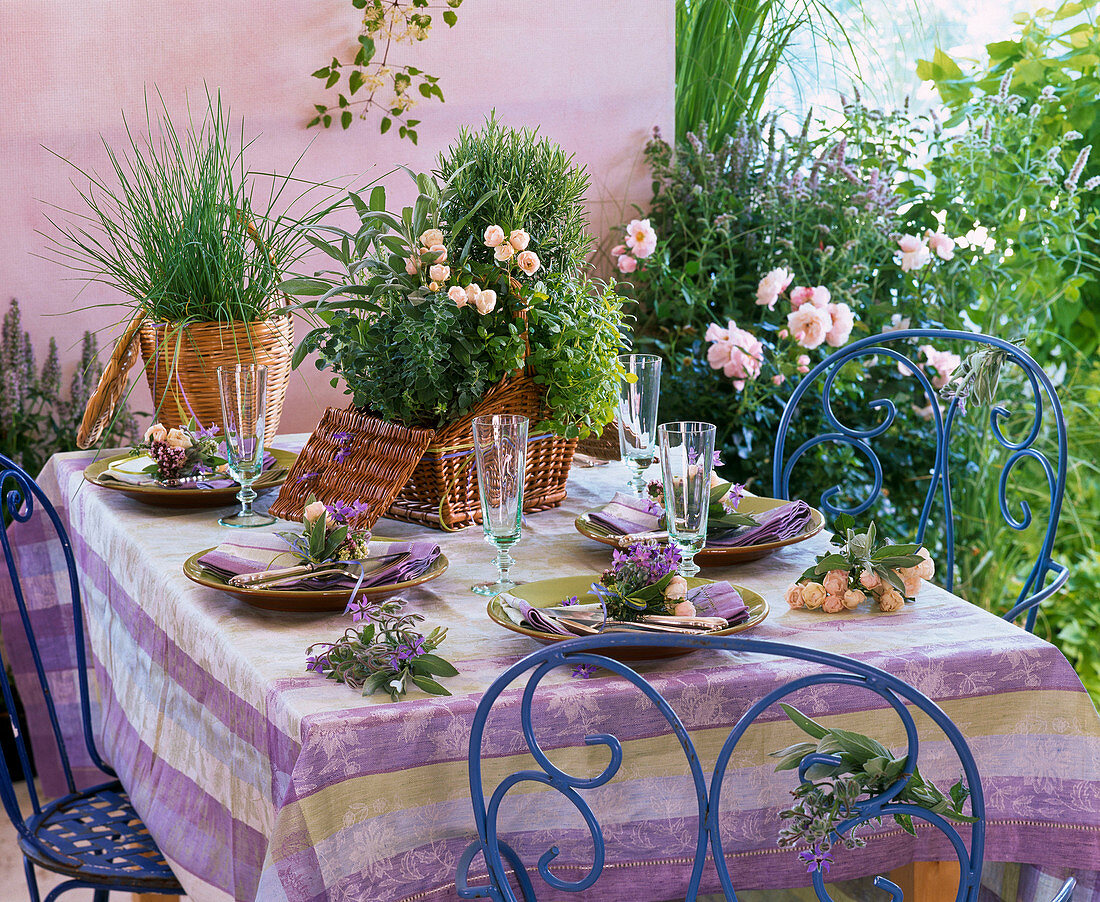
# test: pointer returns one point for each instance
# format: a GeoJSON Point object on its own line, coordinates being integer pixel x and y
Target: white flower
{"type": "Point", "coordinates": [519, 239]}
{"type": "Point", "coordinates": [494, 236]}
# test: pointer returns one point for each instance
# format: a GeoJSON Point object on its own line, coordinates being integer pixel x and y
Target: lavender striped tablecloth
{"type": "Point", "coordinates": [263, 782]}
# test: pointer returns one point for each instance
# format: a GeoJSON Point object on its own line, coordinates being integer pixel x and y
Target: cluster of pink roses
{"type": "Point", "coordinates": [735, 352]}
{"type": "Point", "coordinates": [915, 252]}
{"type": "Point", "coordinates": [514, 245]}
{"type": "Point", "coordinates": [433, 254]}
{"type": "Point", "coordinates": [641, 242]}
{"type": "Point", "coordinates": [173, 438]}
{"type": "Point", "coordinates": [844, 590]}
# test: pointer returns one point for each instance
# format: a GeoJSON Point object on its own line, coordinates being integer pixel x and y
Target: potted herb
{"type": "Point", "coordinates": [194, 240]}
{"type": "Point", "coordinates": [473, 300]}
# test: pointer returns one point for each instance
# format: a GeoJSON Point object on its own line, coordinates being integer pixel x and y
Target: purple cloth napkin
{"type": "Point", "coordinates": [719, 600]}
{"type": "Point", "coordinates": [626, 514]}
{"type": "Point", "coordinates": [269, 553]}
{"type": "Point", "coordinates": [224, 482]}
{"type": "Point", "coordinates": [783, 522]}
{"type": "Point", "coordinates": [534, 616]}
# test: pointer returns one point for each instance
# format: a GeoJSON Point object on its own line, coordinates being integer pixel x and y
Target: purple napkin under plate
{"type": "Point", "coordinates": [783, 522]}
{"type": "Point", "coordinates": [719, 600]}
{"type": "Point", "coordinates": [626, 515]}
{"type": "Point", "coordinates": [225, 563]}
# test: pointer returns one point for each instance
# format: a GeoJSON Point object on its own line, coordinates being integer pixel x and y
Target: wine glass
{"type": "Point", "coordinates": [639, 389]}
{"type": "Point", "coordinates": [243, 390]}
{"type": "Point", "coordinates": [687, 458]}
{"type": "Point", "coordinates": [500, 446]}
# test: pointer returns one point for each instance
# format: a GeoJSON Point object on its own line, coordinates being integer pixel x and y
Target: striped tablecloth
{"type": "Point", "coordinates": [261, 781]}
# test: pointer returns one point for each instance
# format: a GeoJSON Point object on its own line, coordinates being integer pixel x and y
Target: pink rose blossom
{"type": "Point", "coordinates": [870, 580]}
{"type": "Point", "coordinates": [914, 253]}
{"type": "Point", "coordinates": [677, 588]}
{"type": "Point", "coordinates": [819, 296]}
{"type": "Point", "coordinates": [519, 239]}
{"type": "Point", "coordinates": [457, 294]}
{"type": "Point", "coordinates": [503, 252]}
{"type": "Point", "coordinates": [618, 250]}
{"type": "Point", "coordinates": [716, 333]}
{"type": "Point", "coordinates": [942, 245]}
{"type": "Point", "coordinates": [794, 596]}
{"type": "Point", "coordinates": [771, 286]}
{"type": "Point", "coordinates": [836, 582]}
{"type": "Point", "coordinates": [486, 301]}
{"type": "Point", "coordinates": [853, 598]}
{"type": "Point", "coordinates": [439, 272]}
{"type": "Point", "coordinates": [313, 511]}
{"type": "Point", "coordinates": [641, 238]}
{"type": "Point", "coordinates": [813, 595]}
{"type": "Point", "coordinates": [494, 236]}
{"type": "Point", "coordinates": [156, 433]}
{"type": "Point", "coordinates": [528, 261]}
{"type": "Point", "coordinates": [684, 609]}
{"type": "Point", "coordinates": [784, 333]}
{"type": "Point", "coordinates": [431, 237]}
{"type": "Point", "coordinates": [809, 325]}
{"type": "Point", "coordinates": [177, 438]}
{"type": "Point", "coordinates": [412, 265]}
{"type": "Point", "coordinates": [943, 362]}
{"type": "Point", "coordinates": [626, 263]}
{"type": "Point", "coordinates": [736, 352]}
{"type": "Point", "coordinates": [891, 600]}
{"type": "Point", "coordinates": [778, 379]}
{"type": "Point", "coordinates": [843, 321]}
{"type": "Point", "coordinates": [440, 253]}
{"type": "Point", "coordinates": [833, 604]}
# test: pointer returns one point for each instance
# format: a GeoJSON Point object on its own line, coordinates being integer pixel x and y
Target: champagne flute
{"type": "Point", "coordinates": [243, 390]}
{"type": "Point", "coordinates": [500, 446]}
{"type": "Point", "coordinates": [639, 389]}
{"type": "Point", "coordinates": [687, 458]}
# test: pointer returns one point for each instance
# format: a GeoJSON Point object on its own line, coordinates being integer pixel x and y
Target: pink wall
{"type": "Point", "coordinates": [594, 75]}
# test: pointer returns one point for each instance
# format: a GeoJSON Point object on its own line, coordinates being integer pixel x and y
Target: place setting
{"type": "Point", "coordinates": [741, 526]}
{"type": "Point", "coordinates": [650, 586]}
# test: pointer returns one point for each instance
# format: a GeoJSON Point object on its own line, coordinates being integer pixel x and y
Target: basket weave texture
{"type": "Point", "coordinates": [422, 476]}
{"type": "Point", "coordinates": [181, 366]}
{"type": "Point", "coordinates": [352, 457]}
{"type": "Point", "coordinates": [604, 446]}
{"type": "Point", "coordinates": [102, 403]}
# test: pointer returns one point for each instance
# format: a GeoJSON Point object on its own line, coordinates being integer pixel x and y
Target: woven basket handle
{"type": "Point", "coordinates": [112, 385]}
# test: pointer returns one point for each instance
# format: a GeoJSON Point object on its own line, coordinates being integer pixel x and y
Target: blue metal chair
{"type": "Point", "coordinates": [1046, 575]}
{"type": "Point", "coordinates": [841, 671]}
{"type": "Point", "coordinates": [92, 836]}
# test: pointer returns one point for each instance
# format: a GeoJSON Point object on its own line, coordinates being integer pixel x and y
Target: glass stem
{"type": "Point", "coordinates": [246, 496]}
{"type": "Point", "coordinates": [637, 479]}
{"type": "Point", "coordinates": [504, 562]}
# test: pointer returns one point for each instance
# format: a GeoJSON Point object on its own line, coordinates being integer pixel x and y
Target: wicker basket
{"type": "Point", "coordinates": [181, 366]}
{"type": "Point", "coordinates": [442, 491]}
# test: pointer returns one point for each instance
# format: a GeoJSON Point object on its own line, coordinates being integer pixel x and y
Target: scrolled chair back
{"type": "Point", "coordinates": [21, 500]}
{"type": "Point", "coordinates": [830, 670]}
{"type": "Point", "coordinates": [976, 380]}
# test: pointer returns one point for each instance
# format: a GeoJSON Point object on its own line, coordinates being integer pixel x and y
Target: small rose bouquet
{"type": "Point", "coordinates": [179, 452]}
{"type": "Point", "coordinates": [386, 652]}
{"type": "Point", "coordinates": [643, 580]}
{"type": "Point", "coordinates": [328, 535]}
{"type": "Point", "coordinates": [841, 579]}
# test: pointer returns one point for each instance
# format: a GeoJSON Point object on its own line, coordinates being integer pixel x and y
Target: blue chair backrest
{"type": "Point", "coordinates": [1045, 576]}
{"type": "Point", "coordinates": [20, 500]}
{"type": "Point", "coordinates": [839, 671]}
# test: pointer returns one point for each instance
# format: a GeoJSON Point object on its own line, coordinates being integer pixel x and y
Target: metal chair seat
{"type": "Point", "coordinates": [96, 836]}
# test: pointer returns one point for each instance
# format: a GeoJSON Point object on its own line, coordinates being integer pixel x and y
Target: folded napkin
{"type": "Point", "coordinates": [719, 600]}
{"type": "Point", "coordinates": [783, 522]}
{"type": "Point", "coordinates": [521, 612]}
{"type": "Point", "coordinates": [216, 481]}
{"type": "Point", "coordinates": [269, 552]}
{"type": "Point", "coordinates": [626, 514]}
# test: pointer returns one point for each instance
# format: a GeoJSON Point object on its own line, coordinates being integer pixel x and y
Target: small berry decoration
{"type": "Point", "coordinates": [841, 580]}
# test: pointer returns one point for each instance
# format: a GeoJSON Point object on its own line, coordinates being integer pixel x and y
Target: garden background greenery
{"type": "Point", "coordinates": [977, 212]}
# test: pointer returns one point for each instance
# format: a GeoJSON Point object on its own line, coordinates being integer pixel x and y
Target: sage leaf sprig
{"type": "Point", "coordinates": [832, 792]}
{"type": "Point", "coordinates": [386, 652]}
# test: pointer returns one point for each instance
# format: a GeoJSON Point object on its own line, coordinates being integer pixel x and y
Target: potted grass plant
{"type": "Point", "coordinates": [475, 299]}
{"type": "Point", "coordinates": [197, 244]}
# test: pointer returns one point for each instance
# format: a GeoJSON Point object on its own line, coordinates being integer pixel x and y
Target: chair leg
{"type": "Point", "coordinates": [101, 895]}
{"type": "Point", "coordinates": [32, 881]}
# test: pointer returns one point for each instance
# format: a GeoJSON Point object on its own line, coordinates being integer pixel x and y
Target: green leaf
{"type": "Point", "coordinates": [831, 562]}
{"type": "Point", "coordinates": [803, 722]}
{"type": "Point", "coordinates": [333, 77]}
{"type": "Point", "coordinates": [435, 665]}
{"type": "Point", "coordinates": [355, 81]}
{"type": "Point", "coordinates": [384, 126]}
{"type": "Point", "coordinates": [428, 684]}
{"type": "Point", "coordinates": [345, 119]}
{"type": "Point", "coordinates": [860, 747]}
{"type": "Point", "coordinates": [906, 823]}
{"type": "Point", "coordinates": [322, 73]}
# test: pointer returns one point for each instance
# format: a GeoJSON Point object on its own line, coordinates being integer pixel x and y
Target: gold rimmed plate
{"type": "Point", "coordinates": [546, 593]}
{"type": "Point", "coordinates": [717, 555]}
{"type": "Point", "coordinates": [188, 496]}
{"type": "Point", "coordinates": [303, 601]}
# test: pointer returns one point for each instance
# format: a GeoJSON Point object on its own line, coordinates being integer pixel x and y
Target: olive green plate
{"type": "Point", "coordinates": [303, 601]}
{"type": "Point", "coordinates": [189, 497]}
{"type": "Point", "coordinates": [716, 555]}
{"type": "Point", "coordinates": [546, 593]}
